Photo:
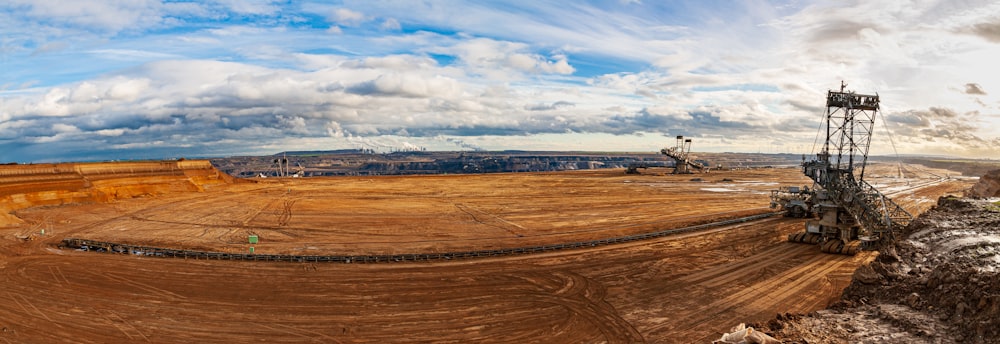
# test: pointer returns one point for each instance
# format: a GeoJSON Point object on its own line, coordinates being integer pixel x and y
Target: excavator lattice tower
{"type": "Point", "coordinates": [852, 214]}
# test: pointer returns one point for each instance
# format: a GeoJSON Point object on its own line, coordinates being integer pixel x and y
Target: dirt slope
{"type": "Point", "coordinates": [26, 186]}
{"type": "Point", "coordinates": [988, 186]}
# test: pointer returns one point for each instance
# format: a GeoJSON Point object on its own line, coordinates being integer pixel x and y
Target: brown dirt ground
{"type": "Point", "coordinates": [683, 288]}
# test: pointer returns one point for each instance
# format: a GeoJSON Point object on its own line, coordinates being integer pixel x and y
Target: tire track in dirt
{"type": "Point", "coordinates": [20, 304]}
{"type": "Point", "coordinates": [128, 329]}
{"type": "Point", "coordinates": [584, 298]}
{"type": "Point", "coordinates": [192, 200]}
{"type": "Point", "coordinates": [252, 215]}
{"type": "Point", "coordinates": [144, 286]}
{"type": "Point", "coordinates": [844, 272]}
{"type": "Point", "coordinates": [722, 273]}
{"type": "Point", "coordinates": [572, 294]}
{"type": "Point", "coordinates": [58, 275]}
{"type": "Point", "coordinates": [761, 263]}
{"type": "Point", "coordinates": [546, 304]}
{"type": "Point", "coordinates": [764, 288]}
{"type": "Point", "coordinates": [738, 301]}
{"type": "Point", "coordinates": [311, 336]}
{"type": "Point", "coordinates": [492, 220]}
{"type": "Point", "coordinates": [781, 290]}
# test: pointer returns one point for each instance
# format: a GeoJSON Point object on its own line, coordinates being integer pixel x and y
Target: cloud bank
{"type": "Point", "coordinates": [151, 79]}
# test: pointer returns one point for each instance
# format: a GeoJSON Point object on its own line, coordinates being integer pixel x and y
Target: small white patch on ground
{"type": "Point", "coordinates": [757, 182]}
{"type": "Point", "coordinates": [720, 190]}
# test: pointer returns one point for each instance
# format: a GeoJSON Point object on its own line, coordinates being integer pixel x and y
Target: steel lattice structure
{"type": "Point", "coordinates": [839, 169]}
{"type": "Point", "coordinates": [850, 120]}
{"type": "Point", "coordinates": [681, 153]}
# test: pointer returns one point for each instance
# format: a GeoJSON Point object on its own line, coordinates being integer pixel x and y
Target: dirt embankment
{"type": "Point", "coordinates": [940, 283]}
{"type": "Point", "coordinates": [26, 186]}
{"type": "Point", "coordinates": [988, 186]}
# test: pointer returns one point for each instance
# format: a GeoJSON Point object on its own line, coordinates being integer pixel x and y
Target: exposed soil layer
{"type": "Point", "coordinates": [35, 185]}
{"type": "Point", "coordinates": [987, 186]}
{"type": "Point", "coordinates": [677, 289]}
{"type": "Point", "coordinates": [940, 283]}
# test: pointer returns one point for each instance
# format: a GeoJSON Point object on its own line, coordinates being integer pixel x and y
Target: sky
{"type": "Point", "coordinates": [147, 79]}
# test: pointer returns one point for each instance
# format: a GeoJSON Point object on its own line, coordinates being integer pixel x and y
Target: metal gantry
{"type": "Point", "coordinates": [839, 171]}
{"type": "Point", "coordinates": [681, 153]}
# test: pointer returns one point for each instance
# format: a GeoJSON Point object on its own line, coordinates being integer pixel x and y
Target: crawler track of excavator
{"type": "Point", "coordinates": [837, 246]}
{"type": "Point", "coordinates": [805, 238]}
{"type": "Point", "coordinates": [829, 245]}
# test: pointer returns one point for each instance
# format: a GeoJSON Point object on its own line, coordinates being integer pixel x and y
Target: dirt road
{"type": "Point", "coordinates": [683, 288]}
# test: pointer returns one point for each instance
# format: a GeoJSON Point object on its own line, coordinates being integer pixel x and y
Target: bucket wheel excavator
{"type": "Point", "coordinates": [848, 214]}
{"type": "Point", "coordinates": [683, 160]}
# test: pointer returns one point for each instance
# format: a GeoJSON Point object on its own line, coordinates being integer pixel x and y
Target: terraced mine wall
{"type": "Point", "coordinates": [121, 248]}
{"type": "Point", "coordinates": [26, 186]}
{"type": "Point", "coordinates": [362, 163]}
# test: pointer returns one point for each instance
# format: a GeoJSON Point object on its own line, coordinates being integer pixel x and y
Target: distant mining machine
{"type": "Point", "coordinates": [683, 160]}
{"type": "Point", "coordinates": [848, 213]}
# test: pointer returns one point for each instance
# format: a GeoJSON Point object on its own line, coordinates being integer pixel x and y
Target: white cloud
{"type": "Point", "coordinates": [50, 47]}
{"type": "Point", "coordinates": [251, 6]}
{"type": "Point", "coordinates": [64, 128]}
{"type": "Point", "coordinates": [560, 66]}
{"type": "Point", "coordinates": [391, 24]}
{"type": "Point", "coordinates": [198, 40]}
{"type": "Point", "coordinates": [670, 112]}
{"type": "Point", "coordinates": [485, 72]}
{"type": "Point", "coordinates": [407, 85]}
{"type": "Point", "coordinates": [110, 132]}
{"type": "Point", "coordinates": [237, 30]}
{"type": "Point", "coordinates": [393, 62]}
{"type": "Point", "coordinates": [497, 59]}
{"type": "Point", "coordinates": [126, 89]}
{"type": "Point", "coordinates": [111, 16]}
{"type": "Point", "coordinates": [131, 54]}
{"type": "Point", "coordinates": [347, 17]}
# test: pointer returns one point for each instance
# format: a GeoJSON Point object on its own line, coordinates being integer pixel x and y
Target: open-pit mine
{"type": "Point", "coordinates": [584, 256]}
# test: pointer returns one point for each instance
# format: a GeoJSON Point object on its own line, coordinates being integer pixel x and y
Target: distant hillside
{"type": "Point", "coordinates": [969, 168]}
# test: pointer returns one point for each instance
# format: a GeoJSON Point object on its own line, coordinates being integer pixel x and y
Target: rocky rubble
{"type": "Point", "coordinates": [939, 283]}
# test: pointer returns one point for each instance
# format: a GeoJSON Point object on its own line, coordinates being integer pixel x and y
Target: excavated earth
{"type": "Point", "coordinates": [987, 186]}
{"type": "Point", "coordinates": [939, 283]}
{"type": "Point", "coordinates": [674, 289]}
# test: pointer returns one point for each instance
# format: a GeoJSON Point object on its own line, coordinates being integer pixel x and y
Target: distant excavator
{"type": "Point", "coordinates": [684, 162]}
{"type": "Point", "coordinates": [848, 214]}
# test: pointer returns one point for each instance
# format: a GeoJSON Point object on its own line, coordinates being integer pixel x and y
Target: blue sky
{"type": "Point", "coordinates": [146, 79]}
